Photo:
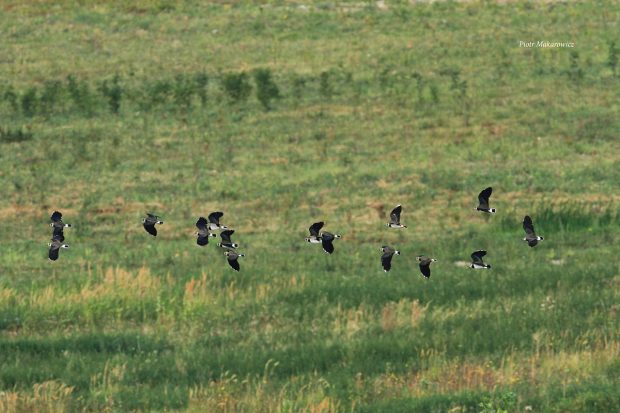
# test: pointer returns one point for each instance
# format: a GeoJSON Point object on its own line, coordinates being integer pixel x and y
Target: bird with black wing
{"type": "Point", "coordinates": [483, 201]}
{"type": "Point", "coordinates": [530, 235]}
{"type": "Point", "coordinates": [386, 257]}
{"type": "Point", "coordinates": [149, 223]}
{"type": "Point", "coordinates": [476, 260]}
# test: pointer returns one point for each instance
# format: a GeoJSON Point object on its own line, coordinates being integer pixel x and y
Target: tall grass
{"type": "Point", "coordinates": [285, 114]}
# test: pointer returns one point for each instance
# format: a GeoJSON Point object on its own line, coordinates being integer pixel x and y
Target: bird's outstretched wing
{"type": "Point", "coordinates": [328, 246]}
{"type": "Point", "coordinates": [150, 228]}
{"type": "Point", "coordinates": [426, 270]}
{"type": "Point", "coordinates": [315, 228]}
{"type": "Point", "coordinates": [53, 253]}
{"type": "Point", "coordinates": [386, 260]}
{"type": "Point", "coordinates": [226, 236]}
{"type": "Point", "coordinates": [201, 223]}
{"type": "Point", "coordinates": [234, 264]}
{"type": "Point", "coordinates": [214, 217]}
{"type": "Point", "coordinates": [483, 197]}
{"type": "Point", "coordinates": [395, 214]}
{"type": "Point", "coordinates": [528, 226]}
{"type": "Point", "coordinates": [476, 257]}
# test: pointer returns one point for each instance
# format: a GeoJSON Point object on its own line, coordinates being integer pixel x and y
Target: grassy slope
{"type": "Point", "coordinates": [124, 321]}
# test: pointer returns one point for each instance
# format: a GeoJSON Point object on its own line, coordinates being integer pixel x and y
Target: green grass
{"type": "Point", "coordinates": [282, 114]}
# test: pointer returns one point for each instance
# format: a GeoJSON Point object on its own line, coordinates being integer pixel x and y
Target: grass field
{"type": "Point", "coordinates": [281, 114]}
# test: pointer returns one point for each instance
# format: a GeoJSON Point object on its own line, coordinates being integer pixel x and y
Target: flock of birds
{"type": "Point", "coordinates": [206, 226]}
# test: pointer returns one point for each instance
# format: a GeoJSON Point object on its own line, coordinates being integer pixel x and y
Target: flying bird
{"type": "Point", "coordinates": [226, 241]}
{"type": "Point", "coordinates": [149, 223]}
{"type": "Point", "coordinates": [530, 235]}
{"type": "Point", "coordinates": [425, 265]}
{"type": "Point", "coordinates": [395, 218]}
{"type": "Point", "coordinates": [203, 234]}
{"type": "Point", "coordinates": [476, 258]}
{"type": "Point", "coordinates": [327, 239]}
{"type": "Point", "coordinates": [232, 257]}
{"type": "Point", "coordinates": [386, 258]}
{"type": "Point", "coordinates": [55, 246]}
{"type": "Point", "coordinates": [57, 224]}
{"type": "Point", "coordinates": [483, 201]}
{"type": "Point", "coordinates": [214, 221]}
{"type": "Point", "coordinates": [314, 229]}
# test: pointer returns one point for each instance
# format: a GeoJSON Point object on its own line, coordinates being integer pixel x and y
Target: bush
{"type": "Point", "coordinates": [237, 86]}
{"type": "Point", "coordinates": [182, 91]}
{"type": "Point", "coordinates": [201, 81]}
{"type": "Point", "coordinates": [11, 98]}
{"type": "Point", "coordinates": [299, 85]}
{"type": "Point", "coordinates": [17, 135]}
{"type": "Point", "coordinates": [50, 96]}
{"type": "Point", "coordinates": [266, 89]}
{"type": "Point", "coordinates": [29, 102]}
{"type": "Point", "coordinates": [420, 83]}
{"type": "Point", "coordinates": [80, 94]}
{"type": "Point", "coordinates": [325, 87]}
{"type": "Point", "coordinates": [158, 91]}
{"type": "Point", "coordinates": [574, 72]}
{"type": "Point", "coordinates": [612, 58]}
{"type": "Point", "coordinates": [113, 92]}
